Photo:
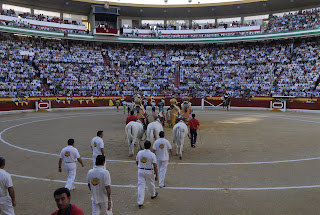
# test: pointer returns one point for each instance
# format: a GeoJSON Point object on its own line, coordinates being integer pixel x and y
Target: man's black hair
{"type": "Point", "coordinates": [100, 159]}
{"type": "Point", "coordinates": [70, 142]}
{"type": "Point", "coordinates": [99, 133]}
{"type": "Point", "coordinates": [132, 112]}
{"type": "Point", "coordinates": [147, 144]}
{"type": "Point", "coordinates": [193, 115]}
{"type": "Point", "coordinates": [60, 191]}
{"type": "Point", "coordinates": [161, 134]}
{"type": "Point", "coordinates": [2, 161]}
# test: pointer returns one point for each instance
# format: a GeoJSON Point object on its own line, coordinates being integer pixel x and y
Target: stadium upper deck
{"type": "Point", "coordinates": [164, 21]}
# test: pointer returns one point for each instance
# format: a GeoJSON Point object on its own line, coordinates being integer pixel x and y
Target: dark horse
{"type": "Point", "coordinates": [227, 103]}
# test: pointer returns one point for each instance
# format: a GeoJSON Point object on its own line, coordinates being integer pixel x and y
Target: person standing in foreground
{"type": "Point", "coordinates": [62, 198]}
{"type": "Point", "coordinates": [70, 155]}
{"type": "Point", "coordinates": [193, 125]}
{"type": "Point", "coordinates": [97, 146]}
{"type": "Point", "coordinates": [147, 164]}
{"type": "Point", "coordinates": [161, 147]}
{"type": "Point", "coordinates": [99, 183]}
{"type": "Point", "coordinates": [7, 195]}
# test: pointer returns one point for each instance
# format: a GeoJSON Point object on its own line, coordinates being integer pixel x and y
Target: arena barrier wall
{"type": "Point", "coordinates": [7, 104]}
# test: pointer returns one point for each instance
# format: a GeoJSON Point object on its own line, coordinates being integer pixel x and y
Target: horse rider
{"type": "Point", "coordinates": [185, 102]}
{"type": "Point", "coordinates": [225, 97]}
{"type": "Point", "coordinates": [186, 99]}
{"type": "Point", "coordinates": [153, 106]}
{"type": "Point", "coordinates": [174, 104]}
{"type": "Point", "coordinates": [138, 103]}
{"type": "Point", "coordinates": [145, 104]}
{"type": "Point", "coordinates": [161, 105]}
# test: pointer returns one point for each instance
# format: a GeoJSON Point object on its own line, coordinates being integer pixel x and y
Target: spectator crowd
{"type": "Point", "coordinates": [303, 19]}
{"type": "Point", "coordinates": [42, 67]}
{"type": "Point", "coordinates": [307, 19]}
{"type": "Point", "coordinates": [40, 17]}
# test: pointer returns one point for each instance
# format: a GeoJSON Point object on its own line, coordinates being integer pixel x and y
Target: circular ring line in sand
{"type": "Point", "coordinates": [126, 161]}
{"type": "Point", "coordinates": [184, 188]}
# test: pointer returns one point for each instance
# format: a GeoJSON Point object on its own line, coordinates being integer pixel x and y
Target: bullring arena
{"type": "Point", "coordinates": [245, 162]}
{"type": "Point", "coordinates": [249, 68]}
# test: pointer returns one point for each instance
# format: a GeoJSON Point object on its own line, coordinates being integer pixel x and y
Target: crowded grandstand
{"type": "Point", "coordinates": [44, 67]}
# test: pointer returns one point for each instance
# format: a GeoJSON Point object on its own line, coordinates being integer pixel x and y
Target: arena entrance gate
{"type": "Point", "coordinates": [280, 102]}
{"type": "Point", "coordinates": [203, 101]}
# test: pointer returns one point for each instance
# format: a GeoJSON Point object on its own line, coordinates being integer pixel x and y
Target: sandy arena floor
{"type": "Point", "coordinates": [245, 162]}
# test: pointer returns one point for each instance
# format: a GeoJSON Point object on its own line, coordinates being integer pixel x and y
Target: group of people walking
{"type": "Point", "coordinates": [152, 165]}
{"type": "Point", "coordinates": [98, 178]}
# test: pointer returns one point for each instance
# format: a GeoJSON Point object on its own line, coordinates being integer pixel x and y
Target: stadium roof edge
{"type": "Point", "coordinates": [248, 7]}
{"type": "Point", "coordinates": [173, 5]}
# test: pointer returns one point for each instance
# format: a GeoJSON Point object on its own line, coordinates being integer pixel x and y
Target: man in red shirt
{"type": "Point", "coordinates": [193, 125]}
{"type": "Point", "coordinates": [62, 198]}
{"type": "Point", "coordinates": [132, 117]}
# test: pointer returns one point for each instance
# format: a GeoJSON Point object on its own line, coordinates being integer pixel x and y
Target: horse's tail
{"type": "Point", "coordinates": [150, 133]}
{"type": "Point", "coordinates": [129, 131]}
{"type": "Point", "coordinates": [178, 136]}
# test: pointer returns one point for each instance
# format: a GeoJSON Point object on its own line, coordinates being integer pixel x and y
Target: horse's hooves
{"type": "Point", "coordinates": [180, 157]}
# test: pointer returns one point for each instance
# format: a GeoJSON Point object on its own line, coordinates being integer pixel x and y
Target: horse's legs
{"type": "Point", "coordinates": [131, 148]}
{"type": "Point", "coordinates": [139, 144]}
{"type": "Point", "coordinates": [181, 149]}
{"type": "Point", "coordinates": [133, 143]}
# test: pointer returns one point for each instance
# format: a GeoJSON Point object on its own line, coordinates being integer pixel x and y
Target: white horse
{"type": "Point", "coordinates": [153, 130]}
{"type": "Point", "coordinates": [134, 131]}
{"type": "Point", "coordinates": [180, 131]}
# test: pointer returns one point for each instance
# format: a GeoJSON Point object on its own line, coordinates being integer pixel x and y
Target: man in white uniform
{"type": "Point", "coordinates": [70, 155]}
{"type": "Point", "coordinates": [99, 183]}
{"type": "Point", "coordinates": [147, 164]}
{"type": "Point", "coordinates": [161, 147]}
{"type": "Point", "coordinates": [7, 196]}
{"type": "Point", "coordinates": [97, 146]}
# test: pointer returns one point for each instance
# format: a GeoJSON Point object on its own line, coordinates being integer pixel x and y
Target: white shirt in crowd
{"type": "Point", "coordinates": [99, 178]}
{"type": "Point", "coordinates": [69, 154]}
{"type": "Point", "coordinates": [146, 159]}
{"type": "Point", "coordinates": [162, 146]}
{"type": "Point", "coordinates": [5, 183]}
{"type": "Point", "coordinates": [97, 144]}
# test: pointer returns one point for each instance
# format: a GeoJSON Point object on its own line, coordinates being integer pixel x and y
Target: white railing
{"type": "Point", "coordinates": [42, 23]}
{"type": "Point", "coordinates": [196, 31]}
